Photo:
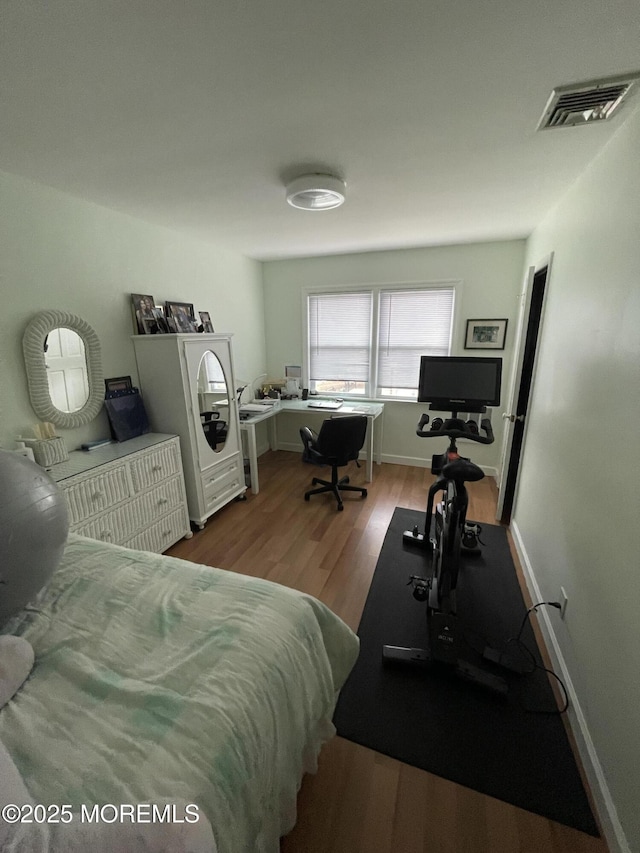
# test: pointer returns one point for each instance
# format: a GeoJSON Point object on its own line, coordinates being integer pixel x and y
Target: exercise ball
{"type": "Point", "coordinates": [34, 524]}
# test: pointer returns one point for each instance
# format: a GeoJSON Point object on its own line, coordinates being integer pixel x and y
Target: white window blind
{"type": "Point", "coordinates": [411, 323]}
{"type": "Point", "coordinates": [340, 336]}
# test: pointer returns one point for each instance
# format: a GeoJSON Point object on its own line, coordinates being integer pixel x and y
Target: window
{"type": "Point", "coordinates": [412, 323]}
{"type": "Point", "coordinates": [368, 342]}
{"type": "Point", "coordinates": [340, 342]}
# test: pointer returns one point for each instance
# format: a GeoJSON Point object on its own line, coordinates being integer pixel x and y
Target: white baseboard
{"type": "Point", "coordinates": [610, 824]}
{"type": "Point", "coordinates": [417, 462]}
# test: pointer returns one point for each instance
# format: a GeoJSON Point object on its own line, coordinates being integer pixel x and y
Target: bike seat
{"type": "Point", "coordinates": [462, 471]}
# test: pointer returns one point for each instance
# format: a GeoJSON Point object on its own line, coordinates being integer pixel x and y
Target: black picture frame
{"type": "Point", "coordinates": [117, 383]}
{"type": "Point", "coordinates": [142, 306]}
{"type": "Point", "coordinates": [181, 317]}
{"type": "Point", "coordinates": [486, 334]}
{"type": "Point", "coordinates": [205, 320]}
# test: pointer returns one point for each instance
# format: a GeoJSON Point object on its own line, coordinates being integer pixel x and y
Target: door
{"type": "Point", "coordinates": [515, 415]}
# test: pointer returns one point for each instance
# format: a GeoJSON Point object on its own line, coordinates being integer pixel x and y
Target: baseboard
{"type": "Point", "coordinates": [417, 462]}
{"type": "Point", "coordinates": [608, 816]}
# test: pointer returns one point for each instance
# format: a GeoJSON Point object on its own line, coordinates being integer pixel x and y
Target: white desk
{"type": "Point", "coordinates": [371, 410]}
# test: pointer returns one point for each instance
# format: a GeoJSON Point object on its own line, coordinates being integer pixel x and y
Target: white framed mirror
{"type": "Point", "coordinates": [65, 384]}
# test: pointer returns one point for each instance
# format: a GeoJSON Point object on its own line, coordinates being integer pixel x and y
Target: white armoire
{"type": "Point", "coordinates": [188, 388]}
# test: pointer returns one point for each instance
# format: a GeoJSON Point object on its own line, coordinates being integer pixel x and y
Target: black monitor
{"type": "Point", "coordinates": [459, 383]}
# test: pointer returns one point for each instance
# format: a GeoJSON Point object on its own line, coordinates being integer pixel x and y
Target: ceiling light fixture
{"type": "Point", "coordinates": [316, 192]}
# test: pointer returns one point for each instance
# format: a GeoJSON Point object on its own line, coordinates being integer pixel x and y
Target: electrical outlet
{"type": "Point", "coordinates": [564, 599]}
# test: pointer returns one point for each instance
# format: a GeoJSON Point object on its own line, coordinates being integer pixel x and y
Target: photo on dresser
{"type": "Point", "coordinates": [181, 317]}
{"type": "Point", "coordinates": [142, 306]}
{"type": "Point", "coordinates": [205, 320]}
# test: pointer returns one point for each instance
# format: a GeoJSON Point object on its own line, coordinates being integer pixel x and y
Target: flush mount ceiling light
{"type": "Point", "coordinates": [316, 192]}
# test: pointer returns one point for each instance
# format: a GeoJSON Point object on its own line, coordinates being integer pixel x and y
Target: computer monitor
{"type": "Point", "coordinates": [459, 383]}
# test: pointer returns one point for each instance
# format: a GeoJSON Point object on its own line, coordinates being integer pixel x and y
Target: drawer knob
{"type": "Point", "coordinates": [157, 468]}
{"type": "Point", "coordinates": [163, 501]}
{"type": "Point", "coordinates": [97, 495]}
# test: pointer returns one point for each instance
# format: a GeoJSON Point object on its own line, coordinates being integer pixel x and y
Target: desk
{"type": "Point", "coordinates": [371, 410]}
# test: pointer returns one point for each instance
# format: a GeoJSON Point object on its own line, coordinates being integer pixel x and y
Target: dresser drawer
{"type": "Point", "coordinates": [221, 485]}
{"type": "Point", "coordinates": [218, 476]}
{"type": "Point", "coordinates": [156, 465]}
{"type": "Point", "coordinates": [97, 493]}
{"type": "Point", "coordinates": [114, 526]}
{"type": "Point", "coordinates": [161, 535]}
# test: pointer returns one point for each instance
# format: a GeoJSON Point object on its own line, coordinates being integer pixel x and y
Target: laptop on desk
{"type": "Point", "coordinates": [324, 404]}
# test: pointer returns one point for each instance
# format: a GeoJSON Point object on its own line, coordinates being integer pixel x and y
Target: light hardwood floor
{"type": "Point", "coordinates": [361, 801]}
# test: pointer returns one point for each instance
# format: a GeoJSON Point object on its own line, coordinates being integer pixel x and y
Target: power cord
{"type": "Point", "coordinates": [522, 647]}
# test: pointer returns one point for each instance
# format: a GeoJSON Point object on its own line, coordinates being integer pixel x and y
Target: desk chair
{"type": "Point", "coordinates": [215, 430]}
{"type": "Point", "coordinates": [338, 443]}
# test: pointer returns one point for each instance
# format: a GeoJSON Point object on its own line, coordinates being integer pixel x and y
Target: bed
{"type": "Point", "coordinates": [157, 680]}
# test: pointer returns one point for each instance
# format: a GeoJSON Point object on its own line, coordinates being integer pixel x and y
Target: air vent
{"type": "Point", "coordinates": [584, 103]}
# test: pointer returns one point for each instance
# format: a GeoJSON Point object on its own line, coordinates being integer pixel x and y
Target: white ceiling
{"type": "Point", "coordinates": [193, 113]}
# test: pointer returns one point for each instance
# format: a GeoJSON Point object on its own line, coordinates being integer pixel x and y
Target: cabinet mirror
{"type": "Point", "coordinates": [213, 395]}
{"type": "Point", "coordinates": [64, 369]}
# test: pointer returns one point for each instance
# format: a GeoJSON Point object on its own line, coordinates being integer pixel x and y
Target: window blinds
{"type": "Point", "coordinates": [411, 323]}
{"type": "Point", "coordinates": [340, 336]}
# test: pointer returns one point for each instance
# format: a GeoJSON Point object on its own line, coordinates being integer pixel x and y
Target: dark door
{"type": "Point", "coordinates": [519, 413]}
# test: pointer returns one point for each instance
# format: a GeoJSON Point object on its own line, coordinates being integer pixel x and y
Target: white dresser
{"type": "Point", "coordinates": [130, 493]}
{"type": "Point", "coordinates": [187, 383]}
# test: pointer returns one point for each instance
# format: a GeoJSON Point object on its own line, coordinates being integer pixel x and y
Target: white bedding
{"type": "Point", "coordinates": [157, 680]}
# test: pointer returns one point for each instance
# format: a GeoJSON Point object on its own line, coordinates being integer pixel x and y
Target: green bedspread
{"type": "Point", "coordinates": [160, 680]}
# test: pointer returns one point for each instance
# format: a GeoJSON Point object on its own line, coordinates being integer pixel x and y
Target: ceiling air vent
{"type": "Point", "coordinates": [583, 103]}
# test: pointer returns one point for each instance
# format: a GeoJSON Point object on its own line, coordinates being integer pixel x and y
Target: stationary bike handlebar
{"type": "Point", "coordinates": [458, 431]}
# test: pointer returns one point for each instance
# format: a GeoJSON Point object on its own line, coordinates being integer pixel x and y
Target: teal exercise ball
{"type": "Point", "coordinates": [34, 524]}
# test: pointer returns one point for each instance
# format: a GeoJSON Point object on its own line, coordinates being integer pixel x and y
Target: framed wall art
{"type": "Point", "coordinates": [485, 334]}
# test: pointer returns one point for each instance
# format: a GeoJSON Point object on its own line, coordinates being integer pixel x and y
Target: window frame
{"type": "Point", "coordinates": [375, 289]}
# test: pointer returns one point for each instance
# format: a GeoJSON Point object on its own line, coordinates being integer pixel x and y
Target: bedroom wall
{"type": "Point", "coordinates": [60, 252]}
{"type": "Point", "coordinates": [492, 279]}
{"type": "Point", "coordinates": [578, 504]}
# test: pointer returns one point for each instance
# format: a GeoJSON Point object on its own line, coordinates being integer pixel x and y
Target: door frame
{"type": "Point", "coordinates": [516, 380]}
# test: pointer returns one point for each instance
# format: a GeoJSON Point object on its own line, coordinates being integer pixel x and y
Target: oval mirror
{"type": "Point", "coordinates": [213, 396]}
{"type": "Point", "coordinates": [64, 369]}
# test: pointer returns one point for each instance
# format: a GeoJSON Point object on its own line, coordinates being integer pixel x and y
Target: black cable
{"type": "Point", "coordinates": [523, 647]}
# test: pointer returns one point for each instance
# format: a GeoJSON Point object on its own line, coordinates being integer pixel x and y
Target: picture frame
{"type": "Point", "coordinates": [142, 306]}
{"type": "Point", "coordinates": [205, 320]}
{"type": "Point", "coordinates": [118, 384]}
{"type": "Point", "coordinates": [181, 317]}
{"type": "Point", "coordinates": [159, 326]}
{"type": "Point", "coordinates": [486, 334]}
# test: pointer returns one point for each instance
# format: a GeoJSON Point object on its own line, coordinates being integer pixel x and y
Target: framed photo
{"type": "Point", "coordinates": [205, 319]}
{"type": "Point", "coordinates": [118, 383]}
{"type": "Point", "coordinates": [485, 334]}
{"type": "Point", "coordinates": [180, 316]}
{"type": "Point", "coordinates": [142, 306]}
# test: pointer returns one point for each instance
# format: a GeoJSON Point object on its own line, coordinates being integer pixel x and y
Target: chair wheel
{"type": "Point", "coordinates": [306, 497]}
{"type": "Point", "coordinates": [314, 482]}
{"type": "Point", "coordinates": [364, 493]}
{"type": "Point", "coordinates": [345, 479]}
{"type": "Point", "coordinates": [340, 507]}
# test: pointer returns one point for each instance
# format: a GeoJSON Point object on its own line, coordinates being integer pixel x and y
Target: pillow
{"type": "Point", "coordinates": [16, 662]}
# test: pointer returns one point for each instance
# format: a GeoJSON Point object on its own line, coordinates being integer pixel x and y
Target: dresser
{"type": "Point", "coordinates": [130, 493]}
{"type": "Point", "coordinates": [188, 388]}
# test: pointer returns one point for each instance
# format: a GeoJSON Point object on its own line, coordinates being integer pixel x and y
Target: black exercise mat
{"type": "Point", "coordinates": [432, 719]}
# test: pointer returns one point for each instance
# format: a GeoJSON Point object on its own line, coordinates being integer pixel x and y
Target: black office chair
{"type": "Point", "coordinates": [215, 430]}
{"type": "Point", "coordinates": [339, 441]}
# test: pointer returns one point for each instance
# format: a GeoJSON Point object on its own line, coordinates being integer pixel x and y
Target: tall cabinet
{"type": "Point", "coordinates": [188, 387]}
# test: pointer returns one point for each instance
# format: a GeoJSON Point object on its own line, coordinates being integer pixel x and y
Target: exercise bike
{"type": "Point", "coordinates": [452, 538]}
